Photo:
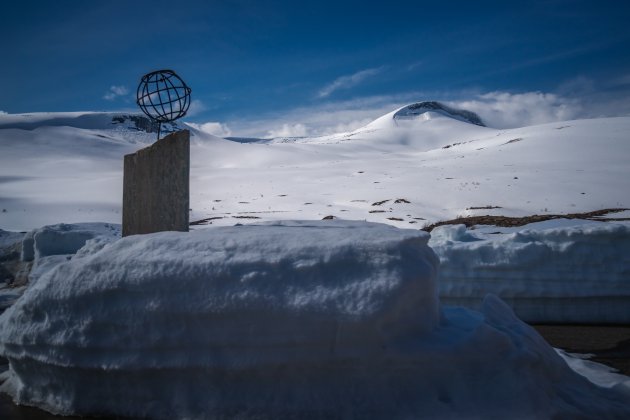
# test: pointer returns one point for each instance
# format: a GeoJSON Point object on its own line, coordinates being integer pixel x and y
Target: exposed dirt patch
{"type": "Point", "coordinates": [246, 217]}
{"type": "Point", "coordinates": [484, 208]}
{"type": "Point", "coordinates": [377, 211]}
{"type": "Point", "coordinates": [505, 221]}
{"type": "Point", "coordinates": [396, 219]}
{"type": "Point", "coordinates": [513, 141]}
{"type": "Point", "coordinates": [207, 221]}
{"type": "Point", "coordinates": [401, 201]}
{"type": "Point", "coordinates": [448, 146]}
{"type": "Point", "coordinates": [380, 203]}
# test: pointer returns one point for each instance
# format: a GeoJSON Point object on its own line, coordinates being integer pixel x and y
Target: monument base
{"type": "Point", "coordinates": [156, 186]}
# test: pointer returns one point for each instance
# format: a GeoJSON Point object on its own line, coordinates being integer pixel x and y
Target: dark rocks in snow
{"type": "Point", "coordinates": [419, 108]}
{"type": "Point", "coordinates": [379, 203]}
{"type": "Point", "coordinates": [142, 123]}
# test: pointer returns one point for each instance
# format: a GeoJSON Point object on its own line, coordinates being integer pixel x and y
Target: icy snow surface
{"type": "Point", "coordinates": [547, 272]}
{"type": "Point", "coordinates": [321, 319]}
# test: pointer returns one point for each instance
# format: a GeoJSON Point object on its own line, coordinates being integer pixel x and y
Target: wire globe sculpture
{"type": "Point", "coordinates": [163, 96]}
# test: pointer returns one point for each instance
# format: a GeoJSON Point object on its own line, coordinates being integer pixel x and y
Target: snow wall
{"type": "Point", "coordinates": [64, 238]}
{"type": "Point", "coordinates": [286, 320]}
{"type": "Point", "coordinates": [568, 274]}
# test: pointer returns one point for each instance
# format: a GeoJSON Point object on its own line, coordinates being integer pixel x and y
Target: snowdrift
{"type": "Point", "coordinates": [571, 274]}
{"type": "Point", "coordinates": [324, 319]}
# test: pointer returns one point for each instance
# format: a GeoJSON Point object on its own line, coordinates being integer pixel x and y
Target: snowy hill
{"type": "Point", "coordinates": [422, 125]}
{"type": "Point", "coordinates": [84, 120]}
{"type": "Point", "coordinates": [422, 170]}
{"type": "Point", "coordinates": [421, 167]}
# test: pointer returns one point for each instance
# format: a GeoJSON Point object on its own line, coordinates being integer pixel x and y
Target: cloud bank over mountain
{"type": "Point", "coordinates": [498, 109]}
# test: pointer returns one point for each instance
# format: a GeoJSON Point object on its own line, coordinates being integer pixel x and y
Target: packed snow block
{"type": "Point", "coordinates": [28, 247]}
{"type": "Point", "coordinates": [255, 317]}
{"type": "Point", "coordinates": [575, 274]}
{"type": "Point", "coordinates": [63, 239]}
{"type": "Point", "coordinates": [156, 186]}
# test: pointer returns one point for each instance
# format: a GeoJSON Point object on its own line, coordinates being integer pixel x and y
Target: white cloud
{"type": "Point", "coordinates": [346, 82]}
{"type": "Point", "coordinates": [215, 128]}
{"type": "Point", "coordinates": [2, 112]}
{"type": "Point", "coordinates": [115, 92]}
{"type": "Point", "coordinates": [196, 108]}
{"type": "Point", "coordinates": [289, 130]}
{"type": "Point", "coordinates": [509, 110]}
{"type": "Point", "coordinates": [603, 98]}
{"type": "Point", "coordinates": [321, 119]}
{"type": "Point", "coordinates": [578, 98]}
{"type": "Point", "coordinates": [497, 109]}
{"type": "Point", "coordinates": [349, 126]}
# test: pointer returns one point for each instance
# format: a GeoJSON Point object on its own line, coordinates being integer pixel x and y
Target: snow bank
{"type": "Point", "coordinates": [9, 295]}
{"type": "Point", "coordinates": [575, 273]}
{"type": "Point", "coordinates": [597, 373]}
{"type": "Point", "coordinates": [8, 239]}
{"type": "Point", "coordinates": [9, 252]}
{"type": "Point", "coordinates": [62, 239]}
{"type": "Point", "coordinates": [285, 320]}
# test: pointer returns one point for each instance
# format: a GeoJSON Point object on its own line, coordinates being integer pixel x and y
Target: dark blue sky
{"type": "Point", "coordinates": [262, 60]}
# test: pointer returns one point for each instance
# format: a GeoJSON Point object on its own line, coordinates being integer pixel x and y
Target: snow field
{"type": "Point", "coordinates": [443, 167]}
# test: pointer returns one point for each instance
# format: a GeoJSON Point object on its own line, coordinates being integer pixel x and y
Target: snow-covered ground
{"type": "Point", "coordinates": [320, 319]}
{"type": "Point", "coordinates": [436, 166]}
{"type": "Point", "coordinates": [139, 313]}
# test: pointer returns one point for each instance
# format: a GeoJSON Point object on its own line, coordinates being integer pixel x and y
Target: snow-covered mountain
{"type": "Point", "coordinates": [422, 163]}
{"type": "Point", "coordinates": [85, 120]}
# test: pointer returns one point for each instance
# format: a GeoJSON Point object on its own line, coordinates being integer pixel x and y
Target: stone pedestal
{"type": "Point", "coordinates": [156, 186]}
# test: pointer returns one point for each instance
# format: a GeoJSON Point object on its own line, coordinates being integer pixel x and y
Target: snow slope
{"type": "Point", "coordinates": [323, 319]}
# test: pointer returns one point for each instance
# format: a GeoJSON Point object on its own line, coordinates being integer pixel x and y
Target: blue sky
{"type": "Point", "coordinates": [291, 67]}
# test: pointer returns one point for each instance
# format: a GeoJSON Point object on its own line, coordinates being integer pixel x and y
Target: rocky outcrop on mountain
{"type": "Point", "coordinates": [142, 123]}
{"type": "Point", "coordinates": [413, 110]}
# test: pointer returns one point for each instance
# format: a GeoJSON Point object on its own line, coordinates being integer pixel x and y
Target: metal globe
{"type": "Point", "coordinates": [163, 96]}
